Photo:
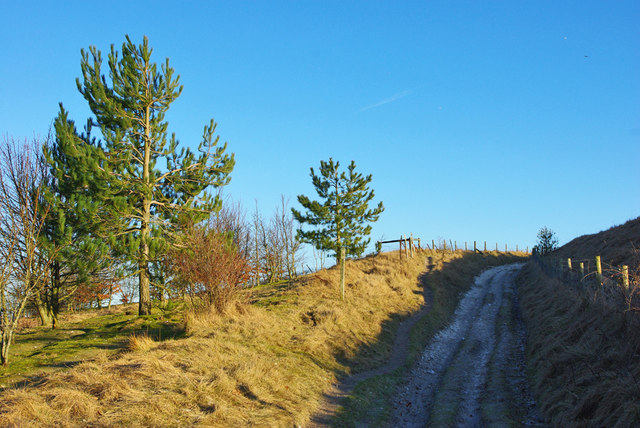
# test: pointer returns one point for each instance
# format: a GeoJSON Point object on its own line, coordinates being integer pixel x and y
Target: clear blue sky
{"type": "Point", "coordinates": [478, 120]}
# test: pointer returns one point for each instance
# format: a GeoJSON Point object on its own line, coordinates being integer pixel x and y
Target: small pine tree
{"type": "Point", "coordinates": [547, 242]}
{"type": "Point", "coordinates": [75, 224]}
{"type": "Point", "coordinates": [342, 215]}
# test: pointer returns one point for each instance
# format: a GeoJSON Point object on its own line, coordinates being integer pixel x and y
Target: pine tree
{"type": "Point", "coordinates": [150, 200]}
{"type": "Point", "coordinates": [547, 242]}
{"type": "Point", "coordinates": [340, 218]}
{"type": "Point", "coordinates": [76, 220]}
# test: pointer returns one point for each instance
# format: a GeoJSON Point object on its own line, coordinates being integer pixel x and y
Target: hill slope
{"type": "Point", "coordinates": [618, 245]}
{"type": "Point", "coordinates": [583, 347]}
{"type": "Point", "coordinates": [267, 362]}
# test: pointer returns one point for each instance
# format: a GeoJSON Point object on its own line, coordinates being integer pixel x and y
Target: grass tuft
{"type": "Point", "coordinates": [140, 343]}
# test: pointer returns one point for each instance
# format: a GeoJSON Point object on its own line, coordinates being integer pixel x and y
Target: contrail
{"type": "Point", "coordinates": [391, 99]}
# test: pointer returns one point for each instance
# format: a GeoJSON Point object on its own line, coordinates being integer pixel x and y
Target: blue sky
{"type": "Point", "coordinates": [479, 120]}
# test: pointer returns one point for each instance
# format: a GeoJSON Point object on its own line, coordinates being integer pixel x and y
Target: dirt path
{"type": "Point", "coordinates": [472, 372]}
{"type": "Point", "coordinates": [331, 401]}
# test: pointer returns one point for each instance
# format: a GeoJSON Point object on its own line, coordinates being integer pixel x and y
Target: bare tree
{"type": "Point", "coordinates": [25, 268]}
{"type": "Point", "coordinates": [285, 227]}
{"type": "Point", "coordinates": [275, 252]}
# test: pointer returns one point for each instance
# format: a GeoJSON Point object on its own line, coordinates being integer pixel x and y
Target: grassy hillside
{"type": "Point", "coordinates": [267, 362]}
{"type": "Point", "coordinates": [617, 246]}
{"type": "Point", "coordinates": [583, 347]}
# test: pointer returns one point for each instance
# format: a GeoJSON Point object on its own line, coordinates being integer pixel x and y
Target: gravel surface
{"type": "Point", "coordinates": [472, 372]}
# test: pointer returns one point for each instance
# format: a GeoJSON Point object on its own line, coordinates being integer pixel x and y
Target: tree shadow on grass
{"type": "Point", "coordinates": [47, 350]}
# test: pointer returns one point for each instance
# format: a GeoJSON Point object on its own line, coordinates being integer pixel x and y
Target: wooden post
{"type": "Point", "coordinates": [505, 248]}
{"type": "Point", "coordinates": [465, 246]}
{"type": "Point", "coordinates": [516, 248]}
{"type": "Point", "coordinates": [455, 245]}
{"type": "Point", "coordinates": [411, 244]}
{"type": "Point", "coordinates": [450, 244]}
{"type": "Point", "coordinates": [625, 276]}
{"type": "Point", "coordinates": [496, 247]}
{"type": "Point", "coordinates": [485, 246]}
{"type": "Point", "coordinates": [474, 246]}
{"type": "Point", "coordinates": [400, 249]}
{"type": "Point", "coordinates": [598, 270]}
{"type": "Point", "coordinates": [581, 270]}
{"type": "Point", "coordinates": [433, 244]}
{"type": "Point", "coordinates": [419, 245]}
{"type": "Point", "coordinates": [406, 249]}
{"type": "Point", "coordinates": [444, 243]}
{"type": "Point", "coordinates": [569, 264]}
{"type": "Point", "coordinates": [527, 249]}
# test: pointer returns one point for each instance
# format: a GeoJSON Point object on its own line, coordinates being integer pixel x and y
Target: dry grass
{"type": "Point", "coordinates": [266, 363]}
{"type": "Point", "coordinates": [584, 352]}
{"type": "Point", "coordinates": [617, 245]}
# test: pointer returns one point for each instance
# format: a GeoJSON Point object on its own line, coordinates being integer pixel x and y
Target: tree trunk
{"type": "Point", "coordinates": [55, 295]}
{"type": "Point", "coordinates": [44, 312]}
{"type": "Point", "coordinates": [144, 306]}
{"type": "Point", "coordinates": [342, 267]}
{"type": "Point", "coordinates": [110, 295]}
{"type": "Point", "coordinates": [5, 343]}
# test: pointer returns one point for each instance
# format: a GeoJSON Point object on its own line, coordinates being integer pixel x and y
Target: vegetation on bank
{"type": "Point", "coordinates": [267, 361]}
{"type": "Point", "coordinates": [583, 346]}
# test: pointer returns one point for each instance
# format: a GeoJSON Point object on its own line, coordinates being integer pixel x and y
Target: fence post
{"type": "Point", "coordinates": [625, 276]}
{"type": "Point", "coordinates": [455, 245]}
{"type": "Point", "coordinates": [485, 246]}
{"type": "Point", "coordinates": [475, 248]}
{"type": "Point", "coordinates": [419, 246]}
{"type": "Point", "coordinates": [598, 270]}
{"type": "Point", "coordinates": [496, 247]}
{"type": "Point", "coordinates": [465, 246]}
{"type": "Point", "coordinates": [505, 248]}
{"type": "Point", "coordinates": [569, 264]}
{"type": "Point", "coordinates": [406, 250]}
{"type": "Point", "coordinates": [516, 248]}
{"type": "Point", "coordinates": [411, 244]}
{"type": "Point", "coordinates": [433, 244]}
{"type": "Point", "coordinates": [581, 270]}
{"type": "Point", "coordinates": [400, 249]}
{"type": "Point", "coordinates": [445, 245]}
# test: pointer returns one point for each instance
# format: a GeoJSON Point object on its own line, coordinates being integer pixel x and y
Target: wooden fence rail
{"type": "Point", "coordinates": [408, 244]}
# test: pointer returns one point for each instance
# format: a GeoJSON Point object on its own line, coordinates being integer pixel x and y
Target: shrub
{"type": "Point", "coordinates": [209, 267]}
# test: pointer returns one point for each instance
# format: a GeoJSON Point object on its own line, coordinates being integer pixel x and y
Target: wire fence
{"type": "Point", "coordinates": [618, 283]}
{"type": "Point", "coordinates": [407, 244]}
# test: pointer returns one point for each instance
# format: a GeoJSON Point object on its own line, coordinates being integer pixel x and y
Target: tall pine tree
{"type": "Point", "coordinates": [340, 218]}
{"type": "Point", "coordinates": [148, 199]}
